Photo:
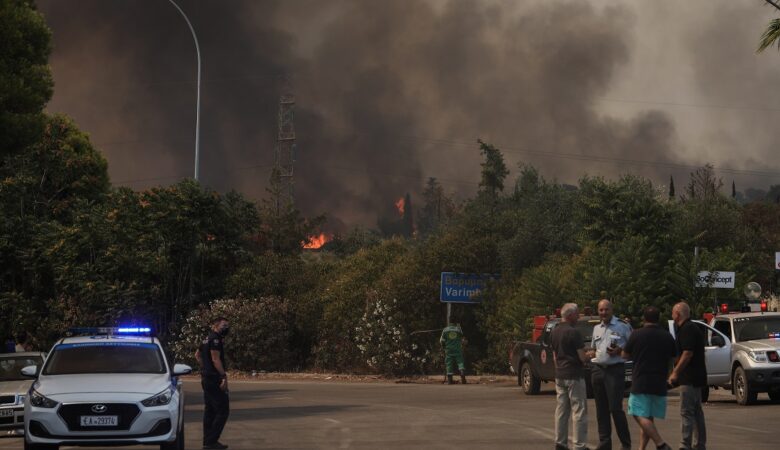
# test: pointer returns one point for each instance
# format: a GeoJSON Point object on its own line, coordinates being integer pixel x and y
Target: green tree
{"type": "Point", "coordinates": [408, 217]}
{"type": "Point", "coordinates": [494, 170]}
{"type": "Point", "coordinates": [25, 79]}
{"type": "Point", "coordinates": [772, 32]}
{"type": "Point", "coordinates": [438, 210]}
{"type": "Point", "coordinates": [42, 189]}
{"type": "Point", "coordinates": [629, 206]}
{"type": "Point", "coordinates": [344, 295]}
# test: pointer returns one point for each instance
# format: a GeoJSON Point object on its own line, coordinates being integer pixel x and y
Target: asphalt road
{"type": "Point", "coordinates": [315, 414]}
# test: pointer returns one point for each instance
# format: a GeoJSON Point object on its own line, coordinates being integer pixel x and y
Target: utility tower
{"type": "Point", "coordinates": [284, 158]}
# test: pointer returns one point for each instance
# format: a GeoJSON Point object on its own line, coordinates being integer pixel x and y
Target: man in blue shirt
{"type": "Point", "coordinates": [608, 376]}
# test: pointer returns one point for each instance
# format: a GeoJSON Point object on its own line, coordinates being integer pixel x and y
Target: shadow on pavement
{"type": "Point", "coordinates": [236, 395]}
{"type": "Point", "coordinates": [274, 413]}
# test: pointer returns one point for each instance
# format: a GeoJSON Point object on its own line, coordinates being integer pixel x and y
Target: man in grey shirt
{"type": "Point", "coordinates": [568, 347]}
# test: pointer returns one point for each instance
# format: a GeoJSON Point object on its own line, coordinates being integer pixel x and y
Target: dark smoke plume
{"type": "Point", "coordinates": [388, 92]}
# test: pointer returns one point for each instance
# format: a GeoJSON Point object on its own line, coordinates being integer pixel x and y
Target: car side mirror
{"type": "Point", "coordinates": [181, 369]}
{"type": "Point", "coordinates": [30, 371]}
{"type": "Point", "coordinates": [717, 340]}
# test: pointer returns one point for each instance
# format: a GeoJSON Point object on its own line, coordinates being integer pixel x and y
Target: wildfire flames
{"type": "Point", "coordinates": [315, 242]}
{"type": "Point", "coordinates": [400, 206]}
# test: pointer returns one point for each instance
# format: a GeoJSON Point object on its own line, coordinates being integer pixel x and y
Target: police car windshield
{"type": "Point", "coordinates": [11, 366]}
{"type": "Point", "coordinates": [105, 357]}
{"type": "Point", "coordinates": [758, 327]}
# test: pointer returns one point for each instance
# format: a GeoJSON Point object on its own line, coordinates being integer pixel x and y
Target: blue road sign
{"type": "Point", "coordinates": [464, 287]}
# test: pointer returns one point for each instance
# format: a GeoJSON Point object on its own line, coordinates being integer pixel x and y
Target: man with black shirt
{"type": "Point", "coordinates": [568, 347]}
{"type": "Point", "coordinates": [211, 358]}
{"type": "Point", "coordinates": [690, 373]}
{"type": "Point", "coordinates": [652, 349]}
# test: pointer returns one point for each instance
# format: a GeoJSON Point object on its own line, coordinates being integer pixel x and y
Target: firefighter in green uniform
{"type": "Point", "coordinates": [451, 340]}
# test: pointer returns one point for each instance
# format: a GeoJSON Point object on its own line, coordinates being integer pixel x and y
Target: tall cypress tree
{"type": "Point", "coordinates": [408, 218]}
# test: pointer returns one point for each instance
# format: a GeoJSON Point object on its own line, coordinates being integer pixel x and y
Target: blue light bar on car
{"type": "Point", "coordinates": [134, 330]}
{"type": "Point", "coordinates": [92, 331]}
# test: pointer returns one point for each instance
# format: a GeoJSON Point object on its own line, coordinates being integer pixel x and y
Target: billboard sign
{"type": "Point", "coordinates": [717, 280]}
{"type": "Point", "coordinates": [464, 287]}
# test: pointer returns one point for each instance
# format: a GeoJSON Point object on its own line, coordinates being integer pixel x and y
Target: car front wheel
{"type": "Point", "coordinates": [528, 380]}
{"type": "Point", "coordinates": [745, 395]}
{"type": "Point", "coordinates": [177, 444]}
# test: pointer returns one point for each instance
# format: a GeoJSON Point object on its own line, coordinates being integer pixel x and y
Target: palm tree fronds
{"type": "Point", "coordinates": [770, 36]}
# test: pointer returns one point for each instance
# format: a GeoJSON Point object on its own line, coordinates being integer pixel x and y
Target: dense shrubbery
{"type": "Point", "coordinates": [260, 332]}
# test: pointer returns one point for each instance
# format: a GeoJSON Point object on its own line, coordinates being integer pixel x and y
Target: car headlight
{"type": "Point", "coordinates": [40, 401]}
{"type": "Point", "coordinates": [163, 398]}
{"type": "Point", "coordinates": [758, 356]}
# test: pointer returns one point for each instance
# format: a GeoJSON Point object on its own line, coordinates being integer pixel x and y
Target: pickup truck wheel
{"type": "Point", "coordinates": [745, 395]}
{"type": "Point", "coordinates": [528, 380]}
{"type": "Point", "coordinates": [774, 395]}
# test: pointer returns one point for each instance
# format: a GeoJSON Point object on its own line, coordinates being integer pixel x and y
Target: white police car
{"type": "Point", "coordinates": [111, 387]}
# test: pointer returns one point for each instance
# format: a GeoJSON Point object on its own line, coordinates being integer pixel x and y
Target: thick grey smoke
{"type": "Point", "coordinates": [389, 92]}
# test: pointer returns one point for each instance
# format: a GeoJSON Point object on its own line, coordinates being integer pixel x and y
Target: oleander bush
{"type": "Point", "coordinates": [259, 339]}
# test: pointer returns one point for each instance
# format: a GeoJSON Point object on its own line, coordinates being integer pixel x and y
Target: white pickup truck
{"type": "Point", "coordinates": [742, 354]}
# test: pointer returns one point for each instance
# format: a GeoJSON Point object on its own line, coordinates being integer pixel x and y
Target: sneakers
{"type": "Point", "coordinates": [215, 446]}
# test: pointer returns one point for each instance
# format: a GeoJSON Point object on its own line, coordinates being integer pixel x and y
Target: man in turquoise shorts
{"type": "Point", "coordinates": [451, 340]}
{"type": "Point", "coordinates": [652, 349]}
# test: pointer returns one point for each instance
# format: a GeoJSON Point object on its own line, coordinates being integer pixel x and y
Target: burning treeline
{"type": "Point", "coordinates": [399, 222]}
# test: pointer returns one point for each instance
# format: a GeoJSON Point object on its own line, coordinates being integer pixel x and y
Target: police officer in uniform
{"type": "Point", "coordinates": [211, 358]}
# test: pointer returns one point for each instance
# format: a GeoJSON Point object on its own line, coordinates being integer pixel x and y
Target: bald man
{"type": "Point", "coordinates": [608, 376]}
{"type": "Point", "coordinates": [690, 372]}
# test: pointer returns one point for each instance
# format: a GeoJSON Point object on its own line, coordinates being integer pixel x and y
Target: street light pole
{"type": "Point", "coordinates": [197, 112]}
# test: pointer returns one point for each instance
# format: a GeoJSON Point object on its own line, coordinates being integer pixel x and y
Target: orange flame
{"type": "Point", "coordinates": [400, 205]}
{"type": "Point", "coordinates": [315, 242]}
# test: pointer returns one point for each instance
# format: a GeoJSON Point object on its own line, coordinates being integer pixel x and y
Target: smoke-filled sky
{"type": "Point", "coordinates": [392, 92]}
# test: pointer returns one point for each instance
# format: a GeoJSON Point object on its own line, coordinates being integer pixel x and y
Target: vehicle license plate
{"type": "Point", "coordinates": [6, 412]}
{"type": "Point", "coordinates": [99, 421]}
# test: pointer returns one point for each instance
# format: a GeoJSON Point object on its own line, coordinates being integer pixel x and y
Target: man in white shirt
{"type": "Point", "coordinates": [608, 376]}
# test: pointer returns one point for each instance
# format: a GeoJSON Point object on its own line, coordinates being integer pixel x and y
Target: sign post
{"type": "Point", "coordinates": [716, 280]}
{"type": "Point", "coordinates": [463, 288]}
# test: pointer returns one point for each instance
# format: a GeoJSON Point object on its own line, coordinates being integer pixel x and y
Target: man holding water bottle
{"type": "Point", "coordinates": [608, 376]}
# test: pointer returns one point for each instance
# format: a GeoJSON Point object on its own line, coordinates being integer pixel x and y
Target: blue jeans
{"type": "Point", "coordinates": [692, 418]}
